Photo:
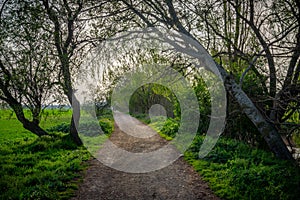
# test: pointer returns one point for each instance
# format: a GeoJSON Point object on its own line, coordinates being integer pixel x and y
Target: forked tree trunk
{"type": "Point", "coordinates": [32, 126]}
{"type": "Point", "coordinates": [65, 50]}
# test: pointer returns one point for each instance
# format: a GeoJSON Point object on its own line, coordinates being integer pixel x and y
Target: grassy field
{"type": "Point", "coordinates": [49, 167]}
{"type": "Point", "coordinates": [38, 168]}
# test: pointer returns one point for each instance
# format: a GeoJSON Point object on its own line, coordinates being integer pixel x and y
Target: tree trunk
{"type": "Point", "coordinates": [18, 109]}
{"type": "Point", "coordinates": [31, 126]}
{"type": "Point", "coordinates": [65, 51]}
{"type": "Point", "coordinates": [34, 128]}
{"type": "Point", "coordinates": [74, 133]}
{"type": "Point", "coordinates": [268, 131]}
{"type": "Point", "coordinates": [75, 119]}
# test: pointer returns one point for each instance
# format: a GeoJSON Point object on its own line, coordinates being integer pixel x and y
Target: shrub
{"type": "Point", "coordinates": [63, 127]}
{"type": "Point", "coordinates": [107, 125]}
{"type": "Point", "coordinates": [170, 127]}
{"type": "Point", "coordinates": [90, 129]}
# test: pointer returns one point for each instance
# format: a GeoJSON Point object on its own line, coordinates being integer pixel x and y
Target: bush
{"type": "Point", "coordinates": [107, 125]}
{"type": "Point", "coordinates": [170, 128]}
{"type": "Point", "coordinates": [90, 129]}
{"type": "Point", "coordinates": [63, 127]}
{"type": "Point", "coordinates": [142, 117]}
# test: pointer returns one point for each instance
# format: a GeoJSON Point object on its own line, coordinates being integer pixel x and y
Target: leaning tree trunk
{"type": "Point", "coordinates": [268, 131]}
{"type": "Point", "coordinates": [32, 126]}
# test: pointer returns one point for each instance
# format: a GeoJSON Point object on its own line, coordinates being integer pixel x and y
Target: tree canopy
{"type": "Point", "coordinates": [255, 44]}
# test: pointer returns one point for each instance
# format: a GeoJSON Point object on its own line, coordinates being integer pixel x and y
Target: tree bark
{"type": "Point", "coordinates": [75, 120]}
{"type": "Point", "coordinates": [268, 131]}
{"type": "Point", "coordinates": [32, 126]}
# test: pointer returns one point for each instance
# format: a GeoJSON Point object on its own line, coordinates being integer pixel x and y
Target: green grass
{"type": "Point", "coordinates": [235, 170]}
{"type": "Point", "coordinates": [165, 128]}
{"type": "Point", "coordinates": [48, 167]}
{"type": "Point", "coordinates": [94, 142]}
{"type": "Point", "coordinates": [38, 168]}
{"type": "Point", "coordinates": [54, 117]}
{"type": "Point", "coordinates": [89, 132]}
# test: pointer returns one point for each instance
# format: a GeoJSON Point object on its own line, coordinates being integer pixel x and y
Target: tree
{"type": "Point", "coordinates": [272, 30]}
{"type": "Point", "coordinates": [175, 15]}
{"type": "Point", "coordinates": [65, 46]}
{"type": "Point", "coordinates": [26, 64]}
{"type": "Point", "coordinates": [72, 40]}
{"type": "Point", "coordinates": [150, 94]}
{"type": "Point", "coordinates": [43, 43]}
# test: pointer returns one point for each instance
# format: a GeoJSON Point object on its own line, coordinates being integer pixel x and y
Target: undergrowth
{"type": "Point", "coordinates": [235, 170]}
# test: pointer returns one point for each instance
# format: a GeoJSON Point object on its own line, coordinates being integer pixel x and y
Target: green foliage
{"type": "Point", "coordinates": [166, 129]}
{"type": "Point", "coordinates": [106, 120]}
{"type": "Point", "coordinates": [203, 96]}
{"type": "Point", "coordinates": [104, 112]}
{"type": "Point", "coordinates": [63, 127]}
{"type": "Point", "coordinates": [234, 170]}
{"type": "Point", "coordinates": [7, 114]}
{"type": "Point", "coordinates": [293, 123]}
{"type": "Point", "coordinates": [107, 125]}
{"type": "Point", "coordinates": [38, 167]}
{"type": "Point", "coordinates": [90, 129]}
{"type": "Point", "coordinates": [296, 139]}
{"type": "Point", "coordinates": [143, 117]}
{"type": "Point", "coordinates": [169, 128]}
{"type": "Point", "coordinates": [55, 115]}
{"type": "Point", "coordinates": [149, 94]}
{"type": "Point", "coordinates": [87, 128]}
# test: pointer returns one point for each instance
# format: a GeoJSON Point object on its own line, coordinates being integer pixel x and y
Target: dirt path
{"type": "Point", "coordinates": [176, 181]}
